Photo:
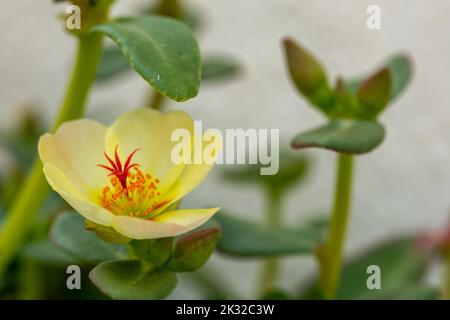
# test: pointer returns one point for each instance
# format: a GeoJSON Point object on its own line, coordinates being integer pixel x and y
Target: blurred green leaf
{"type": "Point", "coordinates": [401, 72]}
{"type": "Point", "coordinates": [293, 167]}
{"type": "Point", "coordinates": [105, 233]}
{"type": "Point", "coordinates": [244, 238]}
{"type": "Point", "coordinates": [20, 141]}
{"type": "Point", "coordinates": [133, 280]}
{"type": "Point", "coordinates": [192, 251]}
{"type": "Point", "coordinates": [68, 232]}
{"type": "Point", "coordinates": [112, 64]}
{"type": "Point", "coordinates": [157, 251]}
{"type": "Point", "coordinates": [348, 136]}
{"type": "Point", "coordinates": [346, 105]}
{"type": "Point", "coordinates": [400, 69]}
{"type": "Point", "coordinates": [401, 265]}
{"type": "Point", "coordinates": [169, 8]}
{"type": "Point", "coordinates": [411, 292]}
{"type": "Point", "coordinates": [219, 67]}
{"type": "Point", "coordinates": [162, 50]}
{"type": "Point", "coordinates": [308, 75]}
{"type": "Point", "coordinates": [374, 94]}
{"type": "Point", "coordinates": [276, 295]}
{"type": "Point", "coordinates": [175, 9]}
{"type": "Point", "coordinates": [47, 253]}
{"type": "Point", "coordinates": [214, 68]}
{"type": "Point", "coordinates": [207, 282]}
{"type": "Point", "coordinates": [402, 269]}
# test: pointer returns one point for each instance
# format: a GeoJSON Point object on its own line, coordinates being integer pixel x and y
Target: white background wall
{"type": "Point", "coordinates": [403, 186]}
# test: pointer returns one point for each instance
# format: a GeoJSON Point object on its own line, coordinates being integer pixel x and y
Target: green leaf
{"type": "Point", "coordinates": [47, 253]}
{"type": "Point", "coordinates": [293, 167]}
{"type": "Point", "coordinates": [193, 250]}
{"type": "Point", "coordinates": [276, 294]}
{"type": "Point", "coordinates": [347, 136]}
{"type": "Point", "coordinates": [401, 72]}
{"type": "Point", "coordinates": [244, 238]}
{"type": "Point", "coordinates": [374, 94]}
{"type": "Point", "coordinates": [175, 9]}
{"type": "Point", "coordinates": [219, 67]}
{"type": "Point", "coordinates": [308, 75]}
{"type": "Point", "coordinates": [402, 269]}
{"type": "Point", "coordinates": [133, 280]}
{"type": "Point", "coordinates": [400, 69]}
{"type": "Point", "coordinates": [112, 64]}
{"type": "Point", "coordinates": [345, 104]}
{"type": "Point", "coordinates": [411, 292]}
{"type": "Point", "coordinates": [401, 265]}
{"type": "Point", "coordinates": [157, 251]}
{"type": "Point", "coordinates": [69, 234]}
{"type": "Point", "coordinates": [162, 50]}
{"type": "Point", "coordinates": [105, 233]}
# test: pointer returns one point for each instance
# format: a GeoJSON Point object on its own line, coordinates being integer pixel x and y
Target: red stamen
{"type": "Point", "coordinates": [117, 170]}
{"type": "Point", "coordinates": [118, 163]}
{"type": "Point", "coordinates": [110, 160]}
{"type": "Point", "coordinates": [127, 163]}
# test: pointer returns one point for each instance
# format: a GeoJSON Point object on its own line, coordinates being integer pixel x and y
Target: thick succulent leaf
{"type": "Point", "coordinates": [175, 9]}
{"type": "Point", "coordinates": [276, 294]}
{"type": "Point", "coordinates": [410, 292]}
{"type": "Point", "coordinates": [192, 251]}
{"type": "Point", "coordinates": [346, 136]}
{"type": "Point", "coordinates": [105, 233]}
{"type": "Point", "coordinates": [402, 269]}
{"type": "Point", "coordinates": [401, 265]}
{"type": "Point", "coordinates": [374, 94]}
{"type": "Point", "coordinates": [308, 75]}
{"type": "Point", "coordinates": [68, 233]}
{"type": "Point", "coordinates": [162, 50]}
{"type": "Point", "coordinates": [156, 251]}
{"type": "Point", "coordinates": [346, 105]}
{"type": "Point", "coordinates": [400, 69]}
{"type": "Point", "coordinates": [47, 253]}
{"type": "Point", "coordinates": [244, 238]}
{"type": "Point", "coordinates": [401, 72]}
{"type": "Point", "coordinates": [112, 64]}
{"type": "Point", "coordinates": [293, 167]}
{"type": "Point", "coordinates": [219, 67]}
{"type": "Point", "coordinates": [133, 280]}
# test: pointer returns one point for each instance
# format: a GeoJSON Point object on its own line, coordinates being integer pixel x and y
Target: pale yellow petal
{"type": "Point", "coordinates": [75, 197]}
{"type": "Point", "coordinates": [75, 149]}
{"type": "Point", "coordinates": [188, 180]}
{"type": "Point", "coordinates": [169, 224]}
{"type": "Point", "coordinates": [150, 131]}
{"type": "Point", "coordinates": [187, 217]}
{"type": "Point", "coordinates": [193, 174]}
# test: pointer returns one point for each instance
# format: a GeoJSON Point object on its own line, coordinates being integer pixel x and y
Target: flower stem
{"type": "Point", "coordinates": [31, 285]}
{"type": "Point", "coordinates": [271, 265]}
{"type": "Point", "coordinates": [156, 101]}
{"type": "Point", "coordinates": [331, 260]}
{"type": "Point", "coordinates": [447, 280]}
{"type": "Point", "coordinates": [34, 190]}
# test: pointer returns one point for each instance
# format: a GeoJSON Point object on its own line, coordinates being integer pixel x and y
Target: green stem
{"type": "Point", "coordinates": [331, 259]}
{"type": "Point", "coordinates": [31, 281]}
{"type": "Point", "coordinates": [271, 265]}
{"type": "Point", "coordinates": [156, 101]}
{"type": "Point", "coordinates": [447, 280]}
{"type": "Point", "coordinates": [34, 191]}
{"type": "Point", "coordinates": [83, 76]}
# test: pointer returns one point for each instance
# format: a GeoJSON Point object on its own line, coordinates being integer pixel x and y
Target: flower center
{"type": "Point", "coordinates": [130, 191]}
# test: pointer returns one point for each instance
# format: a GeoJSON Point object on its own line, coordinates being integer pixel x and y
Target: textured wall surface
{"type": "Point", "coordinates": [403, 186]}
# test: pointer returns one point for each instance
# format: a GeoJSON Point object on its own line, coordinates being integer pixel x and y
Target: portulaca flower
{"type": "Point", "coordinates": [123, 176]}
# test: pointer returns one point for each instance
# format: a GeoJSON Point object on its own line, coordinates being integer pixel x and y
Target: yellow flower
{"type": "Point", "coordinates": [123, 176]}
